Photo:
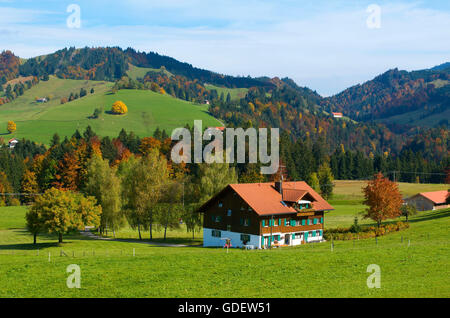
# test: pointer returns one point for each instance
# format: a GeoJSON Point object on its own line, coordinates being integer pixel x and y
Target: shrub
{"type": "Point", "coordinates": [368, 232]}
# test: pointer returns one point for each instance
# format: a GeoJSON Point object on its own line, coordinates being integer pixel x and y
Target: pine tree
{"type": "Point", "coordinates": [325, 180]}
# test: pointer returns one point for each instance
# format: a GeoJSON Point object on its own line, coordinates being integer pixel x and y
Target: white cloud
{"type": "Point", "coordinates": [327, 51]}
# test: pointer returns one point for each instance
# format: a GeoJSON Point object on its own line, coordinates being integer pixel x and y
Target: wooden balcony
{"type": "Point", "coordinates": [305, 212]}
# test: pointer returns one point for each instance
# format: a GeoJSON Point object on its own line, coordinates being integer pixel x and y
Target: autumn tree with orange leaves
{"type": "Point", "coordinates": [383, 198]}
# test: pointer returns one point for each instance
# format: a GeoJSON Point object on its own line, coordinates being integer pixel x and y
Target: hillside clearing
{"type": "Point", "coordinates": [147, 111]}
{"type": "Point", "coordinates": [235, 93]}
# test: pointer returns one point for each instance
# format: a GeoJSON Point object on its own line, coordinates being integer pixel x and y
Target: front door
{"type": "Point", "coordinates": [287, 239]}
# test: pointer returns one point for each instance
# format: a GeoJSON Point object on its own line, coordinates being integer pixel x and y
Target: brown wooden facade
{"type": "Point", "coordinates": [243, 219]}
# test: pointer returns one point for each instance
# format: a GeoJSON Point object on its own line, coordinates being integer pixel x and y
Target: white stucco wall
{"type": "Point", "coordinates": [210, 241]}
{"type": "Point", "coordinates": [255, 240]}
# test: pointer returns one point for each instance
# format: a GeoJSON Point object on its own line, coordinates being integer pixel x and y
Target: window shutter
{"type": "Point", "coordinates": [321, 220]}
{"type": "Point", "coordinates": [279, 222]}
{"type": "Point", "coordinates": [263, 223]}
{"type": "Point", "coordinates": [303, 222]}
{"type": "Point", "coordinates": [285, 222]}
{"type": "Point", "coordinates": [315, 221]}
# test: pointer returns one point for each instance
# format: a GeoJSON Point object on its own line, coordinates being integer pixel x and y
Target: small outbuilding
{"type": "Point", "coordinates": [426, 201]}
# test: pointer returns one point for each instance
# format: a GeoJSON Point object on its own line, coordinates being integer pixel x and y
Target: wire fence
{"type": "Point", "coordinates": [332, 246]}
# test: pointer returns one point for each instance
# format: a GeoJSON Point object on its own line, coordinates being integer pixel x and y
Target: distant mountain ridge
{"type": "Point", "coordinates": [112, 63]}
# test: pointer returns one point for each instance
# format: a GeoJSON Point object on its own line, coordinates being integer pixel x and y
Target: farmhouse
{"type": "Point", "coordinates": [12, 142]}
{"type": "Point", "coordinates": [220, 129]}
{"type": "Point", "coordinates": [426, 201]}
{"type": "Point", "coordinates": [337, 115]}
{"type": "Point", "coordinates": [264, 214]}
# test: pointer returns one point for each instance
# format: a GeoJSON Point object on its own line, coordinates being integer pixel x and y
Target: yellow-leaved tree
{"type": "Point", "coordinates": [119, 107]}
{"type": "Point", "coordinates": [11, 126]}
{"type": "Point", "coordinates": [62, 211]}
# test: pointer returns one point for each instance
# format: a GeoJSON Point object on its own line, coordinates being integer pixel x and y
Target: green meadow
{"type": "Point", "coordinates": [413, 263]}
{"type": "Point", "coordinates": [146, 111]}
{"type": "Point", "coordinates": [136, 72]}
{"type": "Point", "coordinates": [235, 93]}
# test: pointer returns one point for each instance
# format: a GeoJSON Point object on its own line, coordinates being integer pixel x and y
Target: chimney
{"type": "Point", "coordinates": [279, 186]}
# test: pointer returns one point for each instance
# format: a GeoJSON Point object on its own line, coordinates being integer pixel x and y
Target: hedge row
{"type": "Point", "coordinates": [369, 232]}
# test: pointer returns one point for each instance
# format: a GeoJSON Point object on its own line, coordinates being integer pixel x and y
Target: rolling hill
{"type": "Point", "coordinates": [146, 111]}
{"type": "Point", "coordinates": [401, 98]}
{"type": "Point", "coordinates": [391, 106]}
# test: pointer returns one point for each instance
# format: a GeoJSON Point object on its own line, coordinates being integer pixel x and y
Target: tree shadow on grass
{"type": "Point", "coordinates": [416, 218]}
{"type": "Point", "coordinates": [28, 246]}
{"type": "Point", "coordinates": [431, 216]}
{"type": "Point", "coordinates": [174, 241]}
{"type": "Point", "coordinates": [67, 239]}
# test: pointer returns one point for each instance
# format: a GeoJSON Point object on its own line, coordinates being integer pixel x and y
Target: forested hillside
{"type": "Point", "coordinates": [376, 133]}
{"type": "Point", "coordinates": [9, 66]}
{"type": "Point", "coordinates": [396, 92]}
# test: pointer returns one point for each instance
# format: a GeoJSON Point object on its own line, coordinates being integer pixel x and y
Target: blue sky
{"type": "Point", "coordinates": [325, 45]}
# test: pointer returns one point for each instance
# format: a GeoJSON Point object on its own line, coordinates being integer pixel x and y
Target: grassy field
{"type": "Point", "coordinates": [136, 72]}
{"type": "Point", "coordinates": [347, 200]}
{"type": "Point", "coordinates": [414, 263]}
{"type": "Point", "coordinates": [416, 118]}
{"type": "Point", "coordinates": [146, 111]}
{"type": "Point", "coordinates": [235, 93]}
{"type": "Point", "coordinates": [352, 189]}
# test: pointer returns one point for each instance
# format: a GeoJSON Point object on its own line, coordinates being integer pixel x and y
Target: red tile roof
{"type": "Point", "coordinates": [437, 197]}
{"type": "Point", "coordinates": [293, 195]}
{"type": "Point", "coordinates": [265, 200]}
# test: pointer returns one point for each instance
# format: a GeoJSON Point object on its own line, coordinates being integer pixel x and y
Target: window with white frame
{"type": "Point", "coordinates": [216, 233]}
{"type": "Point", "coordinates": [229, 213]}
{"type": "Point", "coordinates": [246, 222]}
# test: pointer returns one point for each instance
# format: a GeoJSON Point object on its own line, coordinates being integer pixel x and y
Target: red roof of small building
{"type": "Point", "coordinates": [337, 114]}
{"type": "Point", "coordinates": [437, 197]}
{"type": "Point", "coordinates": [264, 199]}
